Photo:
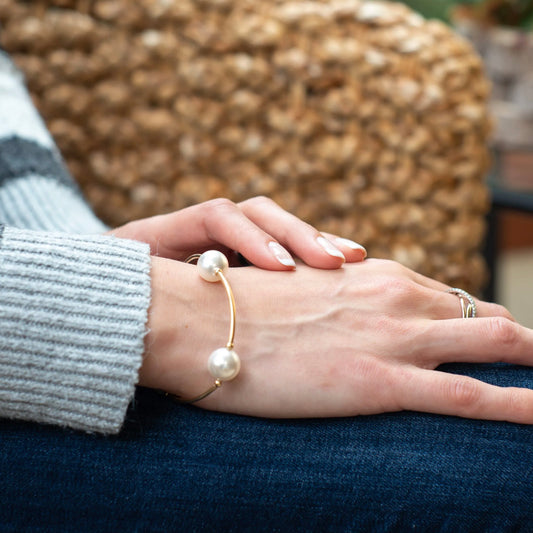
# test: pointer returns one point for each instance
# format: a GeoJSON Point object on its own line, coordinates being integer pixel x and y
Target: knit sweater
{"type": "Point", "coordinates": [73, 302]}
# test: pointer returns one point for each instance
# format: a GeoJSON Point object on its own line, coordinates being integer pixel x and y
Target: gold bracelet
{"type": "Point", "coordinates": [223, 364]}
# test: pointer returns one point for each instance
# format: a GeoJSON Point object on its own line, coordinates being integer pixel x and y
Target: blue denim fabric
{"type": "Point", "coordinates": [177, 468]}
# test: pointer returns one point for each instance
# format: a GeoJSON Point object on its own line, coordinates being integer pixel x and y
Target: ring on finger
{"type": "Point", "coordinates": [468, 305]}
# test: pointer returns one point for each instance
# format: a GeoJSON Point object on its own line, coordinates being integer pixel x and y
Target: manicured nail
{"type": "Point", "coordinates": [281, 254]}
{"type": "Point", "coordinates": [351, 244]}
{"type": "Point", "coordinates": [330, 248]}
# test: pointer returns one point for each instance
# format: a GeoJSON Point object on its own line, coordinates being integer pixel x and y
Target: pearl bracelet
{"type": "Point", "coordinates": [223, 364]}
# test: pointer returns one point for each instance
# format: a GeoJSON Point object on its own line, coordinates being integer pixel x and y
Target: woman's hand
{"type": "Point", "coordinates": [363, 339]}
{"type": "Point", "coordinates": [258, 229]}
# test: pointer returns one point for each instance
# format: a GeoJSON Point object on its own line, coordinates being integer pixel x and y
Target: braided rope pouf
{"type": "Point", "coordinates": [360, 117]}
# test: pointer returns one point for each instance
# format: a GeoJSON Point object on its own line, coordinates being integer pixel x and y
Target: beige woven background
{"type": "Point", "coordinates": [359, 117]}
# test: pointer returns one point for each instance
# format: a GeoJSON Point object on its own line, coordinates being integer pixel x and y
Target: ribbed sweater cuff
{"type": "Point", "coordinates": [73, 315]}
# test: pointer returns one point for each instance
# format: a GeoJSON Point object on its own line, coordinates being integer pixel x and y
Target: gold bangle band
{"type": "Point", "coordinates": [224, 364]}
{"type": "Point", "coordinates": [231, 300]}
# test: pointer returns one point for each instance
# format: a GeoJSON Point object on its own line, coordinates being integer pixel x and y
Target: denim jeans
{"type": "Point", "coordinates": [178, 468]}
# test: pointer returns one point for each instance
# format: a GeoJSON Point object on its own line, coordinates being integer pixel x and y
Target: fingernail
{"type": "Point", "coordinates": [330, 248]}
{"type": "Point", "coordinates": [281, 254]}
{"type": "Point", "coordinates": [351, 244]}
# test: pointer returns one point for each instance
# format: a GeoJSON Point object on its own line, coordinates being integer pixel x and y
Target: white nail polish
{"type": "Point", "coordinates": [330, 248]}
{"type": "Point", "coordinates": [350, 244]}
{"type": "Point", "coordinates": [281, 254]}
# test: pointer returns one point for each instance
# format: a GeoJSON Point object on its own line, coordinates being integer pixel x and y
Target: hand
{"type": "Point", "coordinates": [363, 339]}
{"type": "Point", "coordinates": [258, 229]}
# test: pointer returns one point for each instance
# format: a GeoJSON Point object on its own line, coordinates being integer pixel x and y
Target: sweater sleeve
{"type": "Point", "coordinates": [73, 303]}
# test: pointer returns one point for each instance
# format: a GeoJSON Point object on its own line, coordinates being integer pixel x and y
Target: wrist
{"type": "Point", "coordinates": [187, 318]}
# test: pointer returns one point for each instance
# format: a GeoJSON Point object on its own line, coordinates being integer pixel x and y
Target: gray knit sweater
{"type": "Point", "coordinates": [73, 303]}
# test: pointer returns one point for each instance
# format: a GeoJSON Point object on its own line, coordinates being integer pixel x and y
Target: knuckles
{"type": "Point", "coordinates": [218, 205]}
{"type": "Point", "coordinates": [258, 202]}
{"type": "Point", "coordinates": [503, 332]}
{"type": "Point", "coordinates": [222, 205]}
{"type": "Point", "coordinates": [213, 211]}
{"type": "Point", "coordinates": [394, 268]}
{"type": "Point", "coordinates": [397, 289]}
{"type": "Point", "coordinates": [463, 393]}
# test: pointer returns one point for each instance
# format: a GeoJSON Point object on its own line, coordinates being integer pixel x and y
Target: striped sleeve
{"type": "Point", "coordinates": [36, 190]}
{"type": "Point", "coordinates": [73, 302]}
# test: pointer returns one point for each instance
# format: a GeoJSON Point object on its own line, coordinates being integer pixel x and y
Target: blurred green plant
{"type": "Point", "coordinates": [439, 9]}
{"type": "Point", "coordinates": [515, 13]}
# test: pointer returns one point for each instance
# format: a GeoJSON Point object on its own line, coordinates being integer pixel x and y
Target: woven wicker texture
{"type": "Point", "coordinates": [360, 117]}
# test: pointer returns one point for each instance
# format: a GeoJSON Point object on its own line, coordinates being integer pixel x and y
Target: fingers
{"type": "Point", "coordinates": [218, 223]}
{"type": "Point", "coordinates": [258, 229]}
{"type": "Point", "coordinates": [254, 230]}
{"type": "Point", "coordinates": [478, 340]}
{"type": "Point", "coordinates": [314, 248]}
{"type": "Point", "coordinates": [448, 394]}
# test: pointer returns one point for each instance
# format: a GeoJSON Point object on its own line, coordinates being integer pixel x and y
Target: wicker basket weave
{"type": "Point", "coordinates": [360, 117]}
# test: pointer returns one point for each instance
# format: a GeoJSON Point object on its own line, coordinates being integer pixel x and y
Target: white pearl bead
{"type": "Point", "coordinates": [224, 364]}
{"type": "Point", "coordinates": [211, 261]}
